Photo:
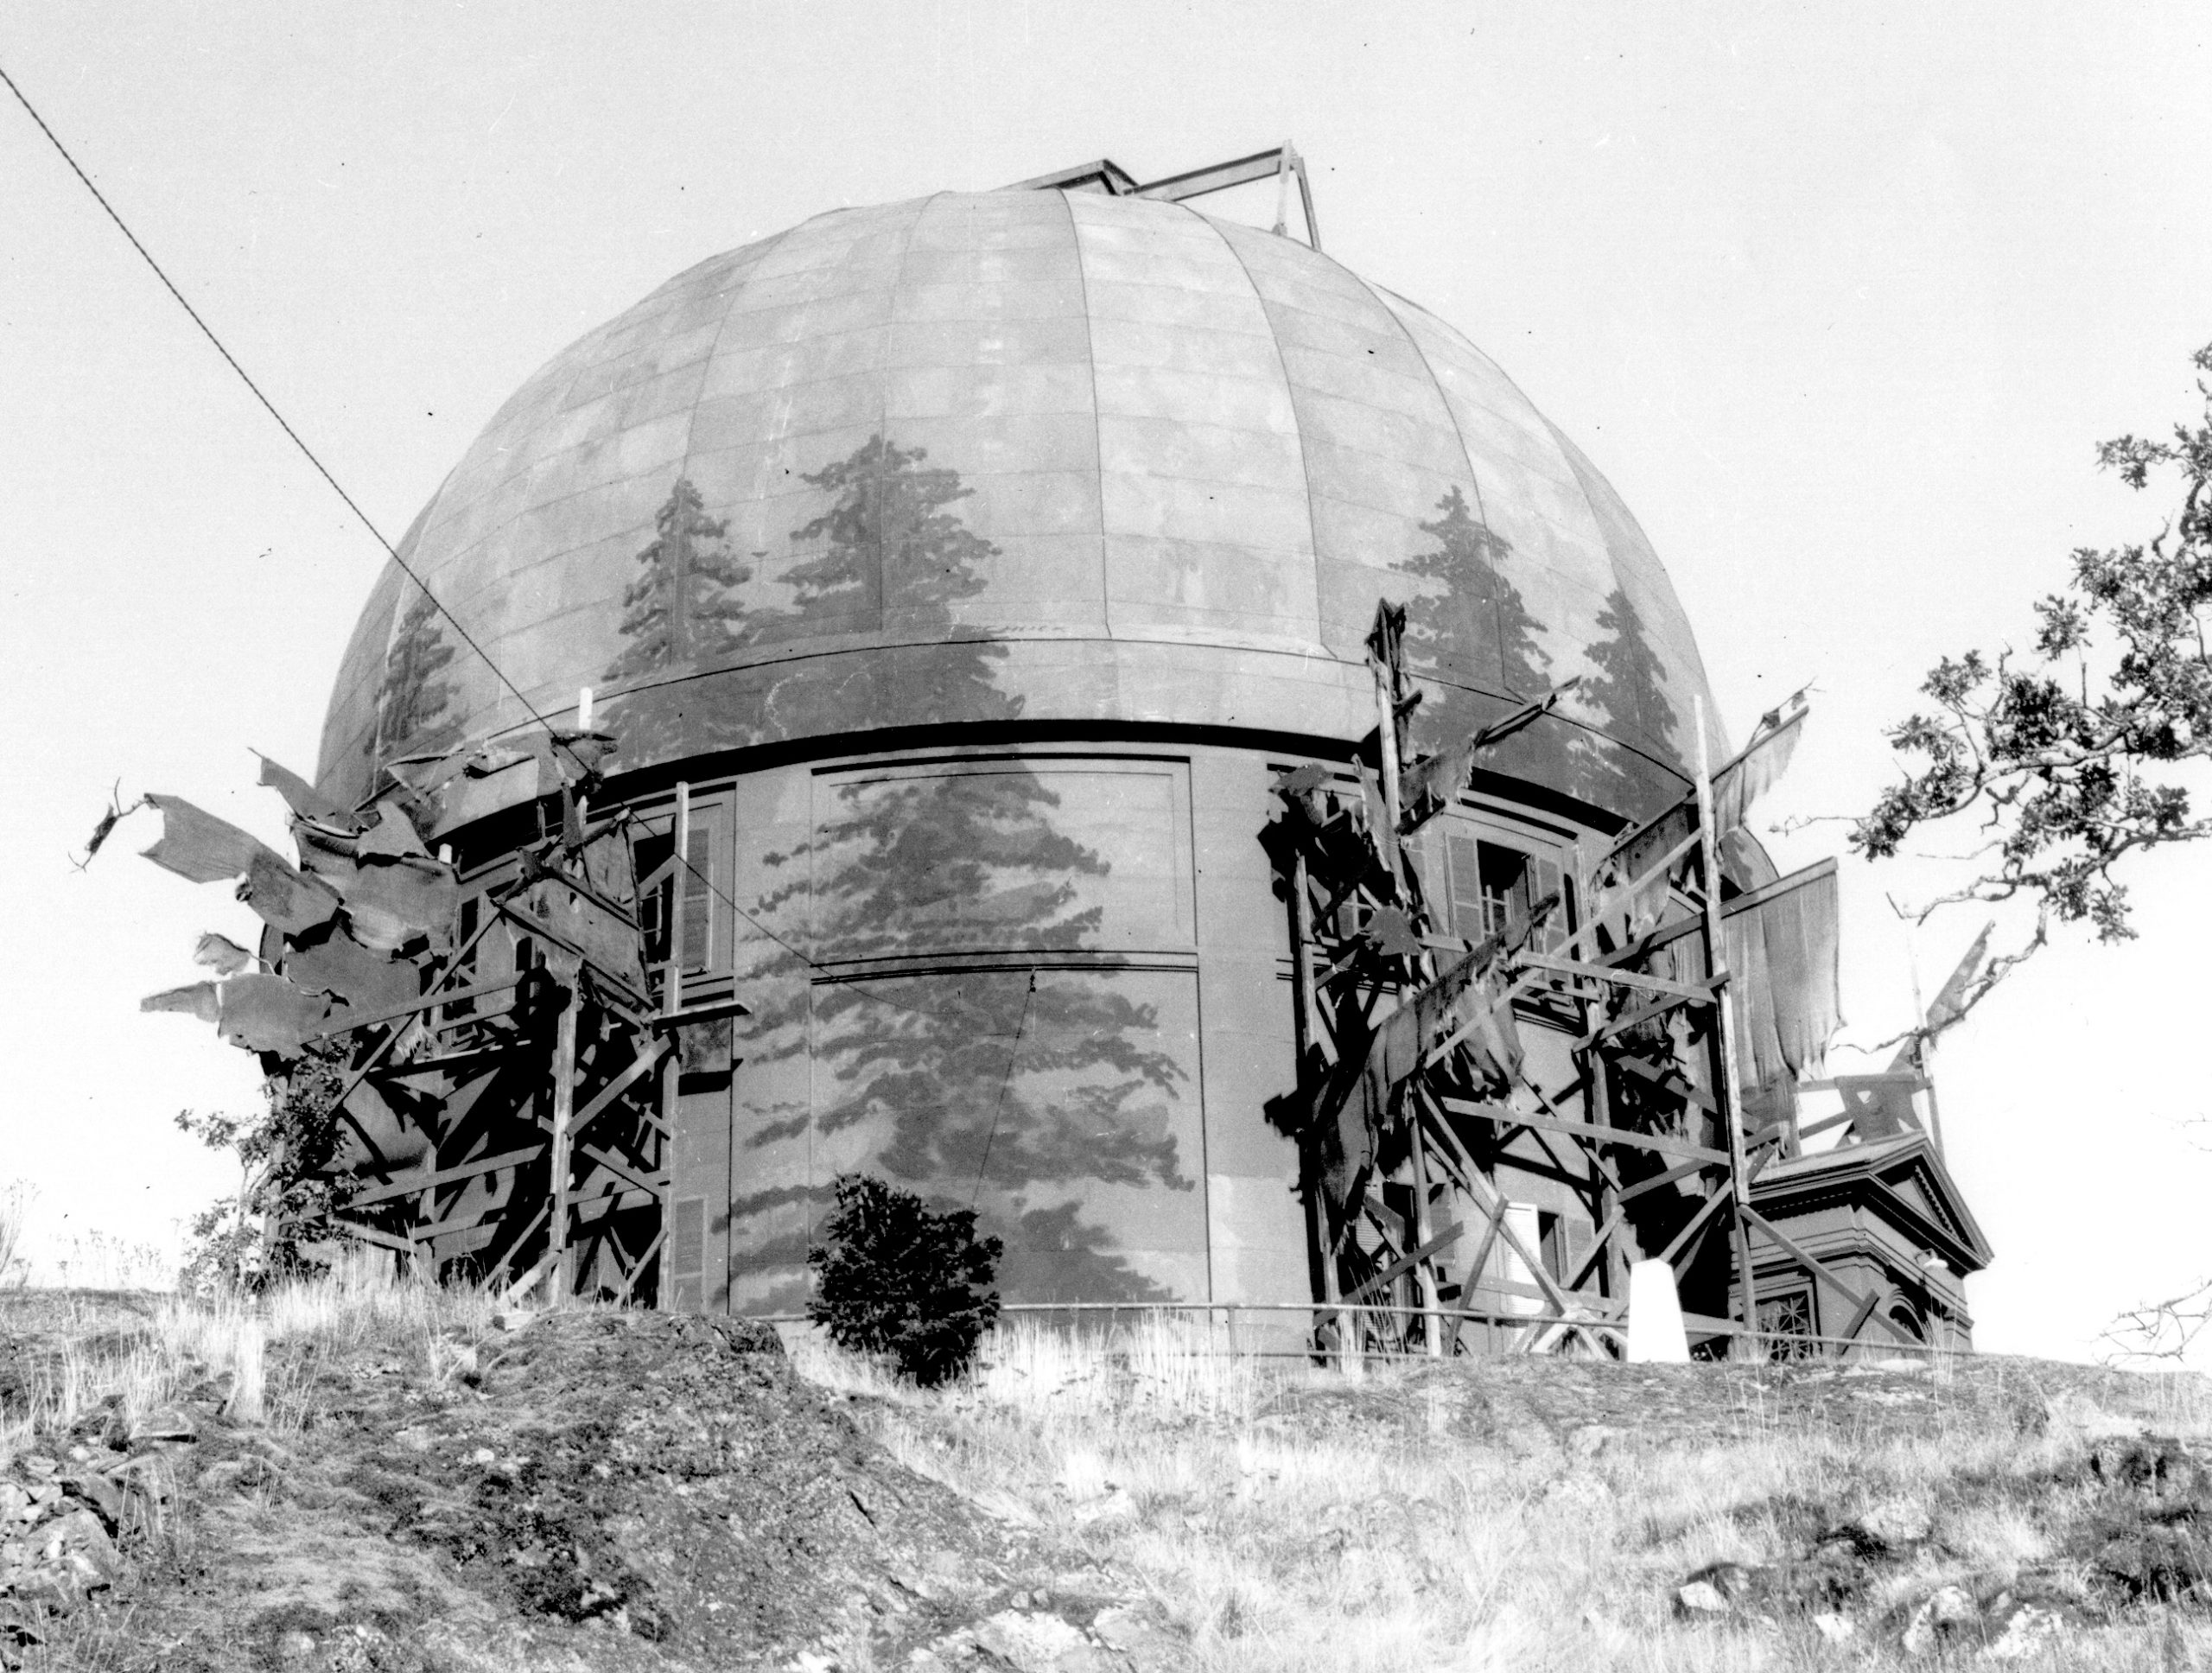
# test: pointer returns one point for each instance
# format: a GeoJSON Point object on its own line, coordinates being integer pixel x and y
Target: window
{"type": "Point", "coordinates": [1479, 884]}
{"type": "Point", "coordinates": [1786, 1322]}
{"type": "Point", "coordinates": [683, 899]}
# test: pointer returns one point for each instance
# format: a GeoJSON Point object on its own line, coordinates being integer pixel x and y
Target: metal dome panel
{"type": "Point", "coordinates": [1022, 455]}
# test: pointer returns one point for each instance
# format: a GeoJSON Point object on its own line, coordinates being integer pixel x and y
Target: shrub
{"type": "Point", "coordinates": [281, 1222]}
{"type": "Point", "coordinates": [900, 1279]}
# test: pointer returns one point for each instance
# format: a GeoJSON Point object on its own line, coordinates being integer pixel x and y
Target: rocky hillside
{"type": "Point", "coordinates": [426, 1487]}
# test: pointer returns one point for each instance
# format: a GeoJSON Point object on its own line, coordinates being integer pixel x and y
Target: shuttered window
{"type": "Point", "coordinates": [698, 882]}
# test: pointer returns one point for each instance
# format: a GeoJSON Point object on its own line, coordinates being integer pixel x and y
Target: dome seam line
{"type": "Point", "coordinates": [1474, 476]}
{"type": "Point", "coordinates": [883, 405]}
{"type": "Point", "coordinates": [1297, 428]}
{"type": "Point", "coordinates": [1097, 440]}
{"type": "Point", "coordinates": [691, 429]}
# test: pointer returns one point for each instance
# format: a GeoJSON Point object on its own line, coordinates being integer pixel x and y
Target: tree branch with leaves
{"type": "Point", "coordinates": [2067, 758]}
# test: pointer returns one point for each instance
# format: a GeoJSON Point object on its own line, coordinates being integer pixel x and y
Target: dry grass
{"type": "Point", "coordinates": [141, 1360]}
{"type": "Point", "coordinates": [1288, 1518]}
{"type": "Point", "coordinates": [15, 1212]}
{"type": "Point", "coordinates": [1397, 1535]}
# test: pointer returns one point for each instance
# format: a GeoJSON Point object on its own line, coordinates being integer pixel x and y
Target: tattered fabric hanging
{"type": "Point", "coordinates": [358, 977]}
{"type": "Point", "coordinates": [1785, 984]}
{"type": "Point", "coordinates": [198, 845]}
{"type": "Point", "coordinates": [268, 1013]}
{"type": "Point", "coordinates": [1469, 997]}
{"type": "Point", "coordinates": [200, 1000]}
{"type": "Point", "coordinates": [207, 850]}
{"type": "Point", "coordinates": [220, 954]}
{"type": "Point", "coordinates": [284, 898]}
{"type": "Point", "coordinates": [302, 797]}
{"type": "Point", "coordinates": [1752, 773]}
{"type": "Point", "coordinates": [392, 836]}
{"type": "Point", "coordinates": [391, 899]}
{"type": "Point", "coordinates": [392, 903]}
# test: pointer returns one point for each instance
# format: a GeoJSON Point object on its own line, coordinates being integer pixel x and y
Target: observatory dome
{"type": "Point", "coordinates": [1023, 458]}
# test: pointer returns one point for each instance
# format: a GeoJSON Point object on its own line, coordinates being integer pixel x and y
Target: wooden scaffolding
{"type": "Point", "coordinates": [534, 1081]}
{"type": "Point", "coordinates": [1414, 1087]}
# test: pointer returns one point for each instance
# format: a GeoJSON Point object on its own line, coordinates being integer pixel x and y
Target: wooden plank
{"type": "Point", "coordinates": [466, 1170]}
{"type": "Point", "coordinates": [639, 1066]}
{"type": "Point", "coordinates": [635, 1003]}
{"type": "Point", "coordinates": [564, 1105]}
{"type": "Point", "coordinates": [1663, 1180]}
{"type": "Point", "coordinates": [1668, 934]}
{"type": "Point", "coordinates": [454, 1063]}
{"type": "Point", "coordinates": [369, 1234]}
{"type": "Point", "coordinates": [345, 1022]}
{"type": "Point", "coordinates": [1585, 1131]}
{"type": "Point", "coordinates": [1469, 1284]}
{"type": "Point", "coordinates": [611, 1202]}
{"type": "Point", "coordinates": [1813, 1262]}
{"type": "Point", "coordinates": [1725, 1193]}
{"type": "Point", "coordinates": [1672, 1080]}
{"type": "Point", "coordinates": [1867, 1305]}
{"type": "Point", "coordinates": [644, 1259]}
{"type": "Point", "coordinates": [1840, 1083]}
{"type": "Point", "coordinates": [1701, 994]}
{"type": "Point", "coordinates": [657, 1183]}
{"type": "Point", "coordinates": [1404, 1264]}
{"type": "Point", "coordinates": [1729, 1084]}
{"type": "Point", "coordinates": [1627, 1019]}
{"type": "Point", "coordinates": [717, 1012]}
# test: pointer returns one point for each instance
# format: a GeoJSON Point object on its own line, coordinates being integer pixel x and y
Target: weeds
{"type": "Point", "coordinates": [1288, 1518]}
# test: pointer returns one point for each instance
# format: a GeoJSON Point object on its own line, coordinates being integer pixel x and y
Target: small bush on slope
{"type": "Point", "coordinates": [897, 1279]}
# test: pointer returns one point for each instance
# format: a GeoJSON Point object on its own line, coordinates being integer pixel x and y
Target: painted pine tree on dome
{"type": "Point", "coordinates": [1629, 690]}
{"type": "Point", "coordinates": [1475, 631]}
{"type": "Point", "coordinates": [680, 608]}
{"type": "Point", "coordinates": [1035, 1085]}
{"type": "Point", "coordinates": [413, 695]}
{"type": "Point", "coordinates": [679, 611]}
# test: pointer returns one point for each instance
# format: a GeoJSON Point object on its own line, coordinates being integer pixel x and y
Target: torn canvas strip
{"type": "Point", "coordinates": [220, 954]}
{"type": "Point", "coordinates": [288, 899]}
{"type": "Point", "coordinates": [198, 846]}
{"type": "Point", "coordinates": [198, 1000]}
{"type": "Point", "coordinates": [392, 903]}
{"type": "Point", "coordinates": [302, 797]}
{"type": "Point", "coordinates": [268, 1013]}
{"type": "Point", "coordinates": [358, 977]}
{"type": "Point", "coordinates": [1785, 959]}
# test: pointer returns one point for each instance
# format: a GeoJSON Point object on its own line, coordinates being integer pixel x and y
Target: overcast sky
{"type": "Point", "coordinates": [1839, 299]}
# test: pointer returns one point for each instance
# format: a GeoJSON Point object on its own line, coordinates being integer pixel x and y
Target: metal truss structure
{"type": "Point", "coordinates": [1414, 1088]}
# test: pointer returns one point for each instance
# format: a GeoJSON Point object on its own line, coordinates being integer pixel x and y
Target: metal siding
{"type": "Point", "coordinates": [1122, 427]}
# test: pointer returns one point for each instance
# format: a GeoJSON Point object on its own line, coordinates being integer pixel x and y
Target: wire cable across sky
{"type": "Point", "coordinates": [392, 553]}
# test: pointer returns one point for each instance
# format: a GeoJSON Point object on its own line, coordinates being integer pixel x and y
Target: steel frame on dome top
{"type": "Point", "coordinates": [1410, 1070]}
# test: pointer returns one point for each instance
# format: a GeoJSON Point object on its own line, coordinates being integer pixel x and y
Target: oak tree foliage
{"type": "Point", "coordinates": [283, 1217]}
{"type": "Point", "coordinates": [2069, 757]}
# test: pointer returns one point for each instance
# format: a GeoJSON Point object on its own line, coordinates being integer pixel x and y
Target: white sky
{"type": "Point", "coordinates": [1839, 299]}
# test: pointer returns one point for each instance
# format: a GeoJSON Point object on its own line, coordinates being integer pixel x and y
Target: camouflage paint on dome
{"type": "Point", "coordinates": [1022, 455]}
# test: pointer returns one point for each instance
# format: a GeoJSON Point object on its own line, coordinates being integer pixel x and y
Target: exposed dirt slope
{"type": "Point", "coordinates": [603, 1490]}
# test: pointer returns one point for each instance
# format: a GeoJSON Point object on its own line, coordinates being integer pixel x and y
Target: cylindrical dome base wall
{"type": "Point", "coordinates": [1049, 980]}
